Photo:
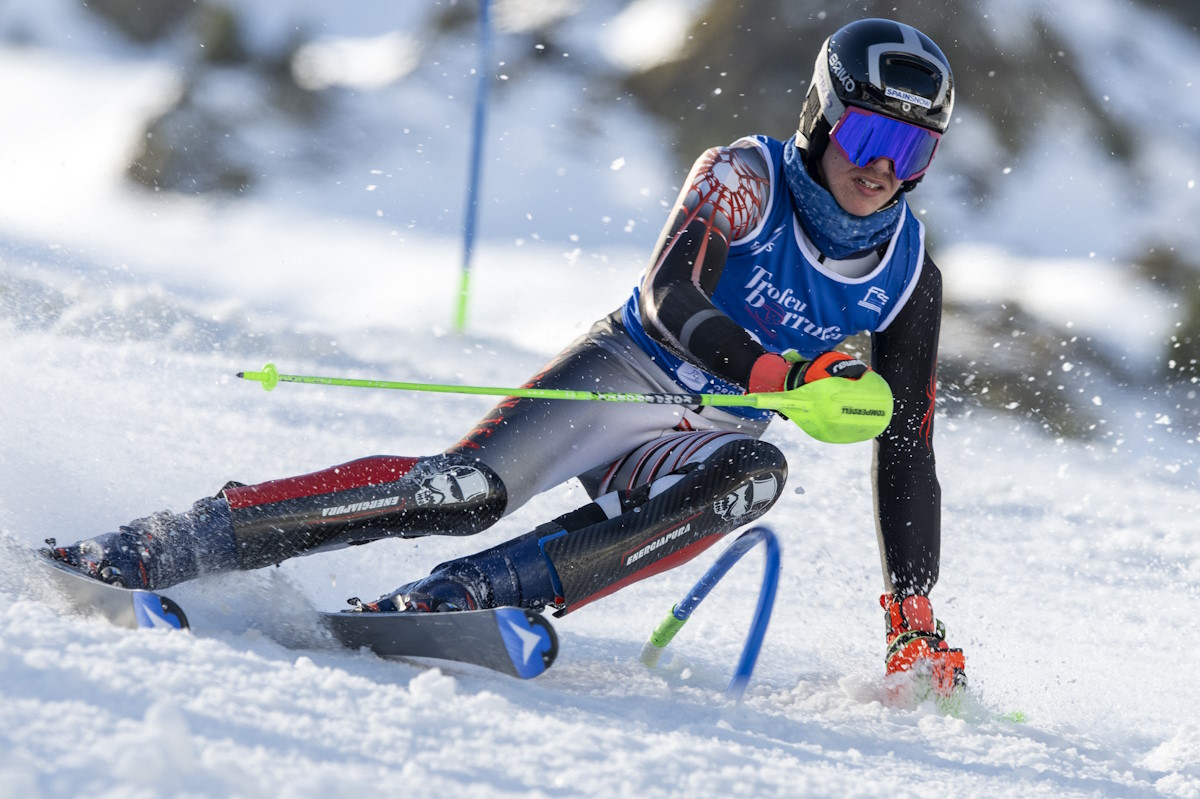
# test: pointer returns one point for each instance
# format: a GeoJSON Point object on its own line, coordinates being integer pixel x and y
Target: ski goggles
{"type": "Point", "coordinates": [864, 137]}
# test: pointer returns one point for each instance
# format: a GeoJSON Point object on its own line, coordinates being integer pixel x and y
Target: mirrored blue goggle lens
{"type": "Point", "coordinates": [865, 137]}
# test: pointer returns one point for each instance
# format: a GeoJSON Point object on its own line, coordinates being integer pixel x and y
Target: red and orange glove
{"type": "Point", "coordinates": [773, 372]}
{"type": "Point", "coordinates": [917, 641]}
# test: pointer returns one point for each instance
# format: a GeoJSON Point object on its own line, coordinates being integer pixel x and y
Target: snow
{"type": "Point", "coordinates": [1070, 575]}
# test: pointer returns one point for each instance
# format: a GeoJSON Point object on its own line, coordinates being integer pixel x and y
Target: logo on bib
{"type": "Point", "coordinates": [875, 300]}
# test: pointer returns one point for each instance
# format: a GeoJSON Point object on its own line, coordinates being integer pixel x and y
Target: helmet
{"type": "Point", "coordinates": [880, 65]}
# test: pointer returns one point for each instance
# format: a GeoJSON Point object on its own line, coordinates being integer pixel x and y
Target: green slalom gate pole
{"type": "Point", "coordinates": [473, 178]}
{"type": "Point", "coordinates": [833, 410]}
{"type": "Point", "coordinates": [682, 611]}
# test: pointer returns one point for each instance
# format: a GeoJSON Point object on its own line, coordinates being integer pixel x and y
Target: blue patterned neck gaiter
{"type": "Point", "coordinates": [836, 232]}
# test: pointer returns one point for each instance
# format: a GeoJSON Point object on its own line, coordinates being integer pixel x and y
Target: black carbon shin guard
{"type": "Point", "coordinates": [362, 501]}
{"type": "Point", "coordinates": [734, 486]}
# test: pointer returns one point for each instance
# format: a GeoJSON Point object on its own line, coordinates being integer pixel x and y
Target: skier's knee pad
{"type": "Point", "coordinates": [362, 501]}
{"type": "Point", "coordinates": [663, 457]}
{"type": "Point", "coordinates": [670, 500]}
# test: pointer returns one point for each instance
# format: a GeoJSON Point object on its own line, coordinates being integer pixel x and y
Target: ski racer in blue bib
{"type": "Point", "coordinates": [775, 283]}
{"type": "Point", "coordinates": [774, 254]}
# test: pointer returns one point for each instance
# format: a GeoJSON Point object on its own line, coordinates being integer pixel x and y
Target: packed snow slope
{"type": "Point", "coordinates": [1070, 575]}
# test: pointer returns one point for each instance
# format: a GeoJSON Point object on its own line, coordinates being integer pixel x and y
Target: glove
{"type": "Point", "coordinates": [773, 372]}
{"type": "Point", "coordinates": [917, 642]}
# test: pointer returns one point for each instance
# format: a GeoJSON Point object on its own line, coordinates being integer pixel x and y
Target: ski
{"type": "Point", "coordinates": [513, 641]}
{"type": "Point", "coordinates": [124, 607]}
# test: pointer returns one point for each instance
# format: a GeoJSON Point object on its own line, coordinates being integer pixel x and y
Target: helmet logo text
{"type": "Point", "coordinates": [841, 73]}
{"type": "Point", "coordinates": [908, 97]}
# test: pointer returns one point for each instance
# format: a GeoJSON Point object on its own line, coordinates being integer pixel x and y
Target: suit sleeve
{"type": "Point", "coordinates": [723, 199]}
{"type": "Point", "coordinates": [907, 493]}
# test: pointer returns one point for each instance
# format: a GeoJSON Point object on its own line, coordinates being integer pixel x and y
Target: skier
{"type": "Point", "coordinates": [775, 252]}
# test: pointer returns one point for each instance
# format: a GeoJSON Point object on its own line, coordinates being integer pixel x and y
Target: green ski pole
{"type": "Point", "coordinates": [834, 410]}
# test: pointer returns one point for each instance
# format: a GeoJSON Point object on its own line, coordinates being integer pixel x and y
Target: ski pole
{"type": "Point", "coordinates": [833, 410]}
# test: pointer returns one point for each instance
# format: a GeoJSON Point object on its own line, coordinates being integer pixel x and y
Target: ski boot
{"type": "Point", "coordinates": [446, 590]}
{"type": "Point", "coordinates": [120, 558]}
{"type": "Point", "coordinates": [513, 574]}
{"type": "Point", "coordinates": [917, 648]}
{"type": "Point", "coordinates": [158, 551]}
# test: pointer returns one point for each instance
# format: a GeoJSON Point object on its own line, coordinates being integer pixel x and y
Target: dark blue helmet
{"type": "Point", "coordinates": [883, 66]}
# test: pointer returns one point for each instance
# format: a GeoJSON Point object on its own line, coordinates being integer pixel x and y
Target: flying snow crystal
{"type": "Point", "coordinates": [617, 164]}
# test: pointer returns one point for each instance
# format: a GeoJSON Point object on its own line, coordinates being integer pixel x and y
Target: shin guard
{"type": "Point", "coordinates": [362, 501]}
{"type": "Point", "coordinates": [652, 524]}
{"type": "Point", "coordinates": [683, 515]}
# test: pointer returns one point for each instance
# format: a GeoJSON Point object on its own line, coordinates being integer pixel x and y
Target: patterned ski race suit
{"type": "Point", "coordinates": [732, 277]}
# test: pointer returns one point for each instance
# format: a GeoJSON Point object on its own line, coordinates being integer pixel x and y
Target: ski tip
{"type": "Point", "coordinates": [156, 612]}
{"type": "Point", "coordinates": [530, 640]}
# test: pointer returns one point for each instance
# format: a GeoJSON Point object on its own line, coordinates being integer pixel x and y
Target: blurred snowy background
{"type": "Point", "coordinates": [1075, 147]}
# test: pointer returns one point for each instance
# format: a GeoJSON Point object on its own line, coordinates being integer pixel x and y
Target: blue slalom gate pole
{"type": "Point", "coordinates": [671, 625]}
{"type": "Point", "coordinates": [479, 126]}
